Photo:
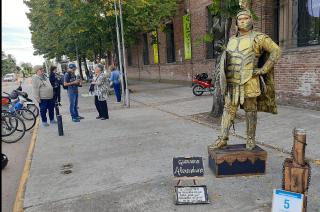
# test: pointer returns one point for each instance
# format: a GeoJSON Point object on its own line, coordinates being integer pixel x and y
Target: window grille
{"type": "Point", "coordinates": [170, 43]}
{"type": "Point", "coordinates": [145, 49]}
{"type": "Point", "coordinates": [299, 23]}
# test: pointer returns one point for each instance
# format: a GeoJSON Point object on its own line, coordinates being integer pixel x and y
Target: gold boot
{"type": "Point", "coordinates": [218, 144]}
{"type": "Point", "coordinates": [251, 119]}
{"type": "Point", "coordinates": [228, 115]}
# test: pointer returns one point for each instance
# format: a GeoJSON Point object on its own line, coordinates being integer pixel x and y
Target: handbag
{"type": "Point", "coordinates": [91, 88]}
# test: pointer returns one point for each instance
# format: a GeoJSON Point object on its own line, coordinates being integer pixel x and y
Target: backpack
{"type": "Point", "coordinates": [62, 81]}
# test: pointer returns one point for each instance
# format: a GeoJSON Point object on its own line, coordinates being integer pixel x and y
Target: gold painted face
{"type": "Point", "coordinates": [244, 23]}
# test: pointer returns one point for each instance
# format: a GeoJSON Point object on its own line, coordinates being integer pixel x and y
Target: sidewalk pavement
{"type": "Point", "coordinates": [125, 163]}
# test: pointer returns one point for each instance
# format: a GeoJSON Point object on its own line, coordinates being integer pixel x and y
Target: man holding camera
{"type": "Point", "coordinates": [73, 83]}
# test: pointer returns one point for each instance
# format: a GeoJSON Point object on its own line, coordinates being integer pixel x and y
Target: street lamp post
{"type": "Point", "coordinates": [119, 49]}
{"type": "Point", "coordinates": [124, 58]}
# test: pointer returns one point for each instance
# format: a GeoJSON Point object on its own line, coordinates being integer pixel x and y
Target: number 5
{"type": "Point", "coordinates": [286, 204]}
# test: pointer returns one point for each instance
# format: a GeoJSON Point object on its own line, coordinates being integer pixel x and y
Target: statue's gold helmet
{"type": "Point", "coordinates": [249, 25]}
{"type": "Point", "coordinates": [244, 12]}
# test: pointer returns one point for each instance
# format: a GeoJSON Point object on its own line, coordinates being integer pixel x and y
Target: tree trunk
{"type": "Point", "coordinates": [218, 99]}
{"type": "Point", "coordinates": [109, 56]}
{"type": "Point", "coordinates": [139, 63]}
{"type": "Point", "coordinates": [100, 48]}
{"type": "Point", "coordinates": [80, 68]}
{"type": "Point", "coordinates": [159, 68]}
{"type": "Point", "coordinates": [115, 59]}
{"type": "Point", "coordinates": [95, 56]}
{"type": "Point", "coordinates": [86, 68]}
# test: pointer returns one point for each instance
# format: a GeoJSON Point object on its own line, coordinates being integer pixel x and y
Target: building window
{"type": "Point", "coordinates": [145, 49]}
{"type": "Point", "coordinates": [170, 43]}
{"type": "Point", "coordinates": [308, 22]}
{"type": "Point", "coordinates": [129, 56]}
{"type": "Point", "coordinates": [299, 23]}
{"type": "Point", "coordinates": [210, 44]}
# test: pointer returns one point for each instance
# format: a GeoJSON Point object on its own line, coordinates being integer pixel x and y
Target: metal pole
{"type": "Point", "coordinates": [59, 120]}
{"type": "Point", "coordinates": [127, 99]}
{"type": "Point", "coordinates": [78, 65]}
{"type": "Point", "coordinates": [119, 49]}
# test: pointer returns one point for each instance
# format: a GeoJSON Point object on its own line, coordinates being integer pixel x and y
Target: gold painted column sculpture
{"type": "Point", "coordinates": [246, 77]}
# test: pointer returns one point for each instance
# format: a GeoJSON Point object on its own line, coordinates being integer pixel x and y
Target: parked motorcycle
{"type": "Point", "coordinates": [18, 95]}
{"type": "Point", "coordinates": [201, 83]}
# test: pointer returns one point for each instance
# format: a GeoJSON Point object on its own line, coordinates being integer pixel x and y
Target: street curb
{"type": "Point", "coordinates": [18, 203]}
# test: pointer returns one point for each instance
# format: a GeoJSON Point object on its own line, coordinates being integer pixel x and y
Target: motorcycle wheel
{"type": "Point", "coordinates": [212, 90]}
{"type": "Point", "coordinates": [197, 90]}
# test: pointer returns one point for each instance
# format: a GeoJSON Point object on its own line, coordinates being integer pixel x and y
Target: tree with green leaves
{"type": "Point", "coordinates": [223, 12]}
{"type": "Point", "coordinates": [26, 69]}
{"type": "Point", "coordinates": [86, 29]}
{"type": "Point", "coordinates": [8, 64]}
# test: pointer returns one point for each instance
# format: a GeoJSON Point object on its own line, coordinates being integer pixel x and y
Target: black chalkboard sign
{"type": "Point", "coordinates": [188, 167]}
{"type": "Point", "coordinates": [186, 195]}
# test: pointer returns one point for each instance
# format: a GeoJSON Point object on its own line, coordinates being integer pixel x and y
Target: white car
{"type": "Point", "coordinates": [9, 77]}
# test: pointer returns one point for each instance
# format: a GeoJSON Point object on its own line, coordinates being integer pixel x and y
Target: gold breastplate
{"type": "Point", "coordinates": [240, 59]}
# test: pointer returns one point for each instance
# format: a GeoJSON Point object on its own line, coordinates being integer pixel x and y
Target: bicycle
{"type": "Point", "coordinates": [12, 127]}
{"type": "Point", "coordinates": [16, 107]}
{"type": "Point", "coordinates": [19, 95]}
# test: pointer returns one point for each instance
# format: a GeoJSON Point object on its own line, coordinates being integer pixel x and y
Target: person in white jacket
{"type": "Point", "coordinates": [43, 94]}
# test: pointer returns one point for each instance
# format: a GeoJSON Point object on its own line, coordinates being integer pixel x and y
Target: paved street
{"type": "Point", "coordinates": [16, 153]}
{"type": "Point", "coordinates": [125, 163]}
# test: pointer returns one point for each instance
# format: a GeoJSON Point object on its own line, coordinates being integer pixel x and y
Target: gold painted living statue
{"type": "Point", "coordinates": [246, 78]}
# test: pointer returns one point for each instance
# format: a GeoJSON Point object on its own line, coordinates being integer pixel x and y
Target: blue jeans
{"type": "Point", "coordinates": [117, 91]}
{"type": "Point", "coordinates": [73, 98]}
{"type": "Point", "coordinates": [44, 105]}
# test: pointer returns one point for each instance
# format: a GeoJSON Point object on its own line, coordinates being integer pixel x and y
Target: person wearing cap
{"type": "Point", "coordinates": [246, 77]}
{"type": "Point", "coordinates": [43, 94]}
{"type": "Point", "coordinates": [73, 84]}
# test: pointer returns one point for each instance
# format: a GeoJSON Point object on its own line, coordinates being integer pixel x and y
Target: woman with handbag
{"type": "Point", "coordinates": [55, 80]}
{"type": "Point", "coordinates": [115, 82]}
{"type": "Point", "coordinates": [100, 93]}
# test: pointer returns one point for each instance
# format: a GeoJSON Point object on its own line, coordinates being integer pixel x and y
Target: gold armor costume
{"type": "Point", "coordinates": [242, 79]}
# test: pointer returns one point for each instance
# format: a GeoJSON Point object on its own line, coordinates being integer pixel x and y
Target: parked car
{"type": "Point", "coordinates": [9, 77]}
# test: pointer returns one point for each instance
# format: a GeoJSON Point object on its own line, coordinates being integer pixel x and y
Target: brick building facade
{"type": "Point", "coordinates": [297, 74]}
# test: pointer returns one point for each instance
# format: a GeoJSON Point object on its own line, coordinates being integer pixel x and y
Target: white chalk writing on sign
{"type": "Point", "coordinates": [191, 194]}
{"type": "Point", "coordinates": [181, 171]}
{"type": "Point", "coordinates": [187, 161]}
{"type": "Point", "coordinates": [188, 167]}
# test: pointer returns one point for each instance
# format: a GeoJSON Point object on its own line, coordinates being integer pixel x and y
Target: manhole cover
{"type": "Point", "coordinates": [69, 171]}
{"type": "Point", "coordinates": [66, 168]}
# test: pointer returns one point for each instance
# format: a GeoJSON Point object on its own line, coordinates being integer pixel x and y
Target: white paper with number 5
{"type": "Point", "coordinates": [285, 201]}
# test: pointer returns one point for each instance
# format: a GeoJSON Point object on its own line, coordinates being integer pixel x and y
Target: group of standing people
{"type": "Point", "coordinates": [47, 91]}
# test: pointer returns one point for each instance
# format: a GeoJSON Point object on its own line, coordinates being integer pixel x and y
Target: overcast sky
{"type": "Point", "coordinates": [16, 37]}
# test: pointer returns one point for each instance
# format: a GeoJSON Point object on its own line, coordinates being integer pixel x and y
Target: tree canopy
{"type": "Point", "coordinates": [87, 28]}
{"type": "Point", "coordinates": [8, 64]}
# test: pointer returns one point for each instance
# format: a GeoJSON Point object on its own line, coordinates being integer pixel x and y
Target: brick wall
{"type": "Point", "coordinates": [181, 69]}
{"type": "Point", "coordinates": [297, 75]}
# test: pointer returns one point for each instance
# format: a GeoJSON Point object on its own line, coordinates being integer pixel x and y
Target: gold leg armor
{"type": "Point", "coordinates": [251, 121]}
{"type": "Point", "coordinates": [228, 116]}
